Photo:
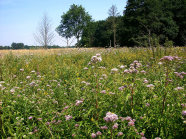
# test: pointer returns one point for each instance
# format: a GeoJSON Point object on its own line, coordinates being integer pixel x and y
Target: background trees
{"type": "Point", "coordinates": [44, 35]}
{"type": "Point", "coordinates": [17, 45]}
{"type": "Point", "coordinates": [73, 22]}
{"type": "Point", "coordinates": [142, 24]}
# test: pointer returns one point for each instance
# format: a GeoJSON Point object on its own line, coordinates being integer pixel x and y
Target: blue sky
{"type": "Point", "coordinates": [19, 19]}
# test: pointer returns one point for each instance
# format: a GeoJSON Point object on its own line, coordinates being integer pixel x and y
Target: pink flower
{"type": "Point", "coordinates": [183, 105]}
{"type": "Point", "coordinates": [120, 133]}
{"type": "Point", "coordinates": [142, 134]}
{"type": "Point", "coordinates": [73, 135]}
{"type": "Point", "coordinates": [150, 86]}
{"type": "Point", "coordinates": [76, 125]}
{"type": "Point", "coordinates": [98, 133]}
{"type": "Point", "coordinates": [47, 123]}
{"type": "Point", "coordinates": [143, 71]}
{"type": "Point", "coordinates": [128, 118]}
{"type": "Point", "coordinates": [145, 81]}
{"type": "Point", "coordinates": [147, 104]}
{"type": "Point", "coordinates": [93, 135]}
{"type": "Point", "coordinates": [68, 117]}
{"type": "Point", "coordinates": [170, 58]}
{"type": "Point", "coordinates": [178, 88]}
{"type": "Point", "coordinates": [115, 126]}
{"type": "Point", "coordinates": [131, 123]}
{"type": "Point", "coordinates": [104, 127]}
{"type": "Point", "coordinates": [183, 113]}
{"type": "Point", "coordinates": [30, 117]}
{"type": "Point", "coordinates": [110, 117]}
{"type": "Point", "coordinates": [103, 92]}
{"type": "Point", "coordinates": [96, 58]}
{"type": "Point", "coordinates": [126, 71]}
{"type": "Point", "coordinates": [78, 102]}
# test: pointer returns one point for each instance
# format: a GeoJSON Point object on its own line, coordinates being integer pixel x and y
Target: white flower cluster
{"type": "Point", "coordinates": [95, 59]}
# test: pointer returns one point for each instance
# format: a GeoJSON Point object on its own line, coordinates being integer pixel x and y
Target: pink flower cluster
{"type": "Point", "coordinates": [93, 135]}
{"type": "Point", "coordinates": [178, 88]}
{"type": "Point", "coordinates": [95, 59]}
{"type": "Point", "coordinates": [110, 117]}
{"type": "Point", "coordinates": [134, 67]}
{"type": "Point", "coordinates": [104, 127]}
{"type": "Point", "coordinates": [78, 102]}
{"type": "Point", "coordinates": [129, 119]}
{"type": "Point", "coordinates": [170, 58]}
{"type": "Point", "coordinates": [180, 75]}
{"type": "Point", "coordinates": [68, 117]}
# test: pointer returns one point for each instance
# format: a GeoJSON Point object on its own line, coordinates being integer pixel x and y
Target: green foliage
{"type": "Point", "coordinates": [17, 45]}
{"type": "Point", "coordinates": [141, 21]}
{"type": "Point", "coordinates": [37, 92]}
{"type": "Point", "coordinates": [73, 22]}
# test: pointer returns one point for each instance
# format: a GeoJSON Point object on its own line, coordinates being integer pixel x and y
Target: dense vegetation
{"type": "Point", "coordinates": [118, 93]}
{"type": "Point", "coordinates": [142, 22]}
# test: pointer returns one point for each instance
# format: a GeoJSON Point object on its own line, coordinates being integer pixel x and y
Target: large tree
{"type": "Point", "coordinates": [145, 19]}
{"type": "Point", "coordinates": [44, 35]}
{"type": "Point", "coordinates": [73, 22]}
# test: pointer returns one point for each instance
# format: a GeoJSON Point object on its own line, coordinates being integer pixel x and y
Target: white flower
{"type": "Point", "coordinates": [114, 70]}
{"type": "Point", "coordinates": [178, 88]}
{"type": "Point", "coordinates": [122, 67]}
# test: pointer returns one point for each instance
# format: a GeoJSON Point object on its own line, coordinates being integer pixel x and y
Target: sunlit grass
{"type": "Point", "coordinates": [62, 93]}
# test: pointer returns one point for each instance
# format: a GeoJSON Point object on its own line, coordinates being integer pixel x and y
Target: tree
{"type": "Point", "coordinates": [147, 19]}
{"type": "Point", "coordinates": [113, 13]}
{"type": "Point", "coordinates": [17, 45]}
{"type": "Point", "coordinates": [73, 22]}
{"type": "Point", "coordinates": [44, 35]}
{"type": "Point", "coordinates": [88, 35]}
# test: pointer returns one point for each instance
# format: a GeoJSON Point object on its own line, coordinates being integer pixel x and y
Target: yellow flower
{"type": "Point", "coordinates": [92, 119]}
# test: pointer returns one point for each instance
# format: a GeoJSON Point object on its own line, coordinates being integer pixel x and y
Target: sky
{"type": "Point", "coordinates": [19, 19]}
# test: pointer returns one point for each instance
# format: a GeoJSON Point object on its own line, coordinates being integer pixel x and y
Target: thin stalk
{"type": "Point", "coordinates": [166, 83]}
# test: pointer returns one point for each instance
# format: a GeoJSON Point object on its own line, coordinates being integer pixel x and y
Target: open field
{"type": "Point", "coordinates": [93, 93]}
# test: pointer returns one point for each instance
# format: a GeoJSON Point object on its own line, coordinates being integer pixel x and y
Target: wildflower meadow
{"type": "Point", "coordinates": [127, 93]}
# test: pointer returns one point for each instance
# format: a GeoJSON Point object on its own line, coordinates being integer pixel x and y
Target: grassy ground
{"type": "Point", "coordinates": [68, 93]}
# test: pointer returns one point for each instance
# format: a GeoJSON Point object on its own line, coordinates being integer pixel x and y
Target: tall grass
{"type": "Point", "coordinates": [63, 94]}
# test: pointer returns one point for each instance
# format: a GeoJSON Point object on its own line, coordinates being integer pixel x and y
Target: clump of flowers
{"type": "Point", "coordinates": [150, 86]}
{"type": "Point", "coordinates": [68, 117]}
{"type": "Point", "coordinates": [180, 75]}
{"type": "Point", "coordinates": [178, 88]}
{"type": "Point", "coordinates": [104, 127]}
{"type": "Point", "coordinates": [78, 102]}
{"type": "Point", "coordinates": [114, 70]}
{"type": "Point", "coordinates": [95, 59]}
{"type": "Point", "coordinates": [170, 58]}
{"type": "Point", "coordinates": [110, 117]}
{"type": "Point", "coordinates": [93, 135]}
{"type": "Point", "coordinates": [120, 134]}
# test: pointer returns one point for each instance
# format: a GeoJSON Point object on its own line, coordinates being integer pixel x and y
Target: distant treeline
{"type": "Point", "coordinates": [15, 46]}
{"type": "Point", "coordinates": [142, 23]}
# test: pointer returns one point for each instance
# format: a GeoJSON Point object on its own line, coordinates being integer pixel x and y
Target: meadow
{"type": "Point", "coordinates": [131, 93]}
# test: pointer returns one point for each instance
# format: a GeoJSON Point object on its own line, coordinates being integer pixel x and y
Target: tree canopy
{"type": "Point", "coordinates": [142, 22]}
{"type": "Point", "coordinates": [73, 22]}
